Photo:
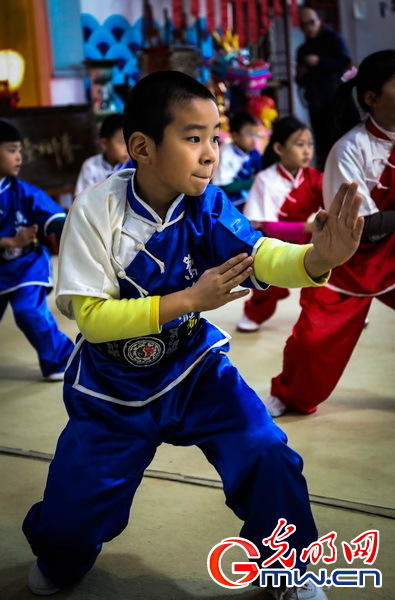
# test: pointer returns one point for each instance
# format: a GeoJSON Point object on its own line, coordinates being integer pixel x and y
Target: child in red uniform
{"type": "Point", "coordinates": [282, 199]}
{"type": "Point", "coordinates": [364, 154]}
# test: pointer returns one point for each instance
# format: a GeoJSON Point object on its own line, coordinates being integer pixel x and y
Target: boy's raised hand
{"type": "Point", "coordinates": [336, 233]}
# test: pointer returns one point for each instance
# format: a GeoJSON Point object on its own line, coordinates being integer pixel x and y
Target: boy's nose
{"type": "Point", "coordinates": [209, 156]}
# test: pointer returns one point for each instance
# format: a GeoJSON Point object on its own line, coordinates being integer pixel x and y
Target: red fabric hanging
{"type": "Point", "coordinates": [264, 16]}
{"type": "Point", "coordinates": [224, 15]}
{"type": "Point", "coordinates": [294, 13]}
{"type": "Point", "coordinates": [195, 8]}
{"type": "Point", "coordinates": [277, 8]}
{"type": "Point", "coordinates": [252, 21]}
{"type": "Point", "coordinates": [177, 13]}
{"type": "Point", "coordinates": [239, 25]}
{"type": "Point", "coordinates": [210, 15]}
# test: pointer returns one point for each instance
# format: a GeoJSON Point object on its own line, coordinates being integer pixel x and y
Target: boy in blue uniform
{"type": "Point", "coordinates": [142, 255]}
{"type": "Point", "coordinates": [25, 265]}
{"type": "Point", "coordinates": [239, 160]}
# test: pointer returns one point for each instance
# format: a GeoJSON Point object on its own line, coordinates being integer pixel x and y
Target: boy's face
{"type": "Point", "coordinates": [185, 160]}
{"type": "Point", "coordinates": [10, 158]}
{"type": "Point", "coordinates": [114, 148]}
{"type": "Point", "coordinates": [246, 138]}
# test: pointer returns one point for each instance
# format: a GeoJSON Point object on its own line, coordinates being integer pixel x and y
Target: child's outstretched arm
{"type": "Point", "coordinates": [102, 320]}
{"type": "Point", "coordinates": [337, 232]}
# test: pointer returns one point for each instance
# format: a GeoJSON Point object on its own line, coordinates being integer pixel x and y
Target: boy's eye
{"type": "Point", "coordinates": [194, 138]}
{"type": "Point", "coordinates": [216, 139]}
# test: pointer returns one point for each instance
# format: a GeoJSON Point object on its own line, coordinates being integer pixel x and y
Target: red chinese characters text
{"type": "Point", "coordinates": [315, 552]}
{"type": "Point", "coordinates": [274, 541]}
{"type": "Point", "coordinates": [366, 547]}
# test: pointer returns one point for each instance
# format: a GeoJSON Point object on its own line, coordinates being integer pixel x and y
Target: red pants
{"type": "Point", "coordinates": [262, 304]}
{"type": "Point", "coordinates": [321, 345]}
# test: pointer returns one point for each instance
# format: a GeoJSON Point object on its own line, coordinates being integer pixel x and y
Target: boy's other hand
{"type": "Point", "coordinates": [25, 235]}
{"type": "Point", "coordinates": [336, 233]}
{"type": "Point", "coordinates": [214, 287]}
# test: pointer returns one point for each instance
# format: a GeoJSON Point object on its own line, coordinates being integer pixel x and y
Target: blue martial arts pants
{"type": "Point", "coordinates": [105, 448]}
{"type": "Point", "coordinates": [34, 319]}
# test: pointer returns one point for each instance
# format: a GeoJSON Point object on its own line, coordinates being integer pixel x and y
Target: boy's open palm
{"type": "Point", "coordinates": [337, 232]}
{"type": "Point", "coordinates": [214, 287]}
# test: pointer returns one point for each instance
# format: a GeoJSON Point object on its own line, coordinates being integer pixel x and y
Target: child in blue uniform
{"type": "Point", "coordinates": [239, 160]}
{"type": "Point", "coordinates": [25, 265]}
{"type": "Point", "coordinates": [142, 255]}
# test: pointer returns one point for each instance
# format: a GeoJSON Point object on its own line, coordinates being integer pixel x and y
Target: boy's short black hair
{"type": "Point", "coordinates": [9, 133]}
{"type": "Point", "coordinates": [149, 106]}
{"type": "Point", "coordinates": [111, 125]}
{"type": "Point", "coordinates": [239, 120]}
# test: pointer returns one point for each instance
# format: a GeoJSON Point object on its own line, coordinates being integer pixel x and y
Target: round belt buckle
{"type": "Point", "coordinates": [144, 352]}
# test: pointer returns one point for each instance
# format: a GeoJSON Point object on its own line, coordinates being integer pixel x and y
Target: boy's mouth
{"type": "Point", "coordinates": [205, 177]}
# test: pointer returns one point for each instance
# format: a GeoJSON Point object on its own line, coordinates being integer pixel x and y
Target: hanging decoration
{"type": "Point", "coordinates": [265, 21]}
{"type": "Point", "coordinates": [250, 18]}
{"type": "Point", "coordinates": [252, 21]}
{"type": "Point", "coordinates": [195, 8]}
{"type": "Point", "coordinates": [239, 24]}
{"type": "Point", "coordinates": [232, 65]}
{"type": "Point", "coordinates": [177, 13]}
{"type": "Point", "coordinates": [210, 15]}
{"type": "Point", "coordinates": [277, 8]}
{"type": "Point", "coordinates": [294, 13]}
{"type": "Point", "coordinates": [224, 15]}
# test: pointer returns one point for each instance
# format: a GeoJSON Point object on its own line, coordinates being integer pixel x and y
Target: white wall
{"type": "Point", "coordinates": [365, 29]}
{"type": "Point", "coordinates": [101, 10]}
{"type": "Point", "coordinates": [67, 90]}
{"type": "Point", "coordinates": [132, 9]}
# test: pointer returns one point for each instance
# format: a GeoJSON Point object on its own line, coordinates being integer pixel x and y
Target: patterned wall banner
{"type": "Point", "coordinates": [184, 27]}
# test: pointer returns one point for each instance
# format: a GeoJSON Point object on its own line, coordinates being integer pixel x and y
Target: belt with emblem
{"type": "Point", "coordinates": [148, 350]}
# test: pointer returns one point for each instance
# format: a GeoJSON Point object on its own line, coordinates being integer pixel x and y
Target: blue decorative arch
{"type": "Point", "coordinates": [89, 24]}
{"type": "Point", "coordinates": [122, 41]}
{"type": "Point", "coordinates": [117, 25]}
{"type": "Point", "coordinates": [133, 38]}
{"type": "Point", "coordinates": [103, 40]}
{"type": "Point", "coordinates": [121, 54]}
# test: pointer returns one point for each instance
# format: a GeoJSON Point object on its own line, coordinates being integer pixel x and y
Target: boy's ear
{"type": "Point", "coordinates": [140, 147]}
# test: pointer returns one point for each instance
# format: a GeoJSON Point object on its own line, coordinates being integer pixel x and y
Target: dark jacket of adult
{"type": "Point", "coordinates": [318, 83]}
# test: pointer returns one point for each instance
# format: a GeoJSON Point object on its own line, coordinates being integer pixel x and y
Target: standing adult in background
{"type": "Point", "coordinates": [321, 61]}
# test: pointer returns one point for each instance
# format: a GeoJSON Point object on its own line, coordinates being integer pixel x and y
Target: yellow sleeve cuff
{"type": "Point", "coordinates": [102, 320]}
{"type": "Point", "coordinates": [282, 264]}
